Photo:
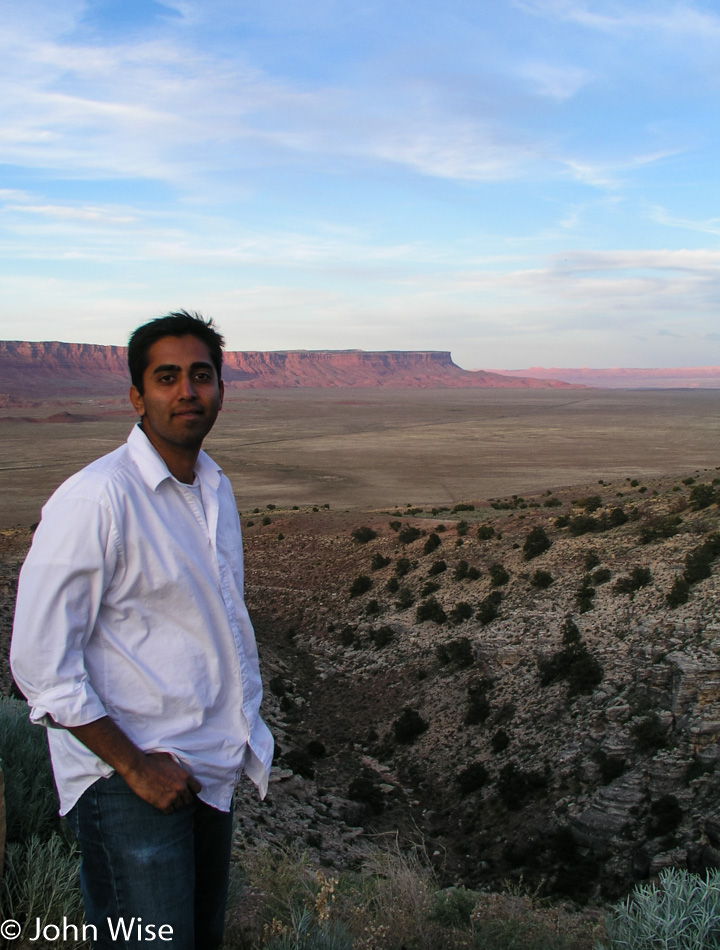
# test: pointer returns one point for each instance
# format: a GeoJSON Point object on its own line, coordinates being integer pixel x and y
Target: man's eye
{"type": "Point", "coordinates": [203, 377]}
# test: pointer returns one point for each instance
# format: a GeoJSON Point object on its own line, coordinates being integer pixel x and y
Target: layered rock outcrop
{"type": "Point", "coordinates": [53, 368]}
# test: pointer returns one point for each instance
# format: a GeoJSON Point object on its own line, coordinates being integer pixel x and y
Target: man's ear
{"type": "Point", "coordinates": [222, 393]}
{"type": "Point", "coordinates": [138, 403]}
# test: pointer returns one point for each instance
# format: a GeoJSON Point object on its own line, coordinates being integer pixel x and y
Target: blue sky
{"type": "Point", "coordinates": [521, 182]}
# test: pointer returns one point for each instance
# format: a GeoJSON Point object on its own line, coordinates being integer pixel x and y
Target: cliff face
{"type": "Point", "coordinates": [618, 377]}
{"type": "Point", "coordinates": [53, 368]}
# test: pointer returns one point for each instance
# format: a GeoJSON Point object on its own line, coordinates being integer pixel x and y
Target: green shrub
{"type": "Point", "coordinates": [590, 504]}
{"type": "Point", "coordinates": [581, 524]}
{"type": "Point", "coordinates": [552, 503]}
{"type": "Point", "coordinates": [498, 575]}
{"type": "Point", "coordinates": [702, 496]}
{"type": "Point", "coordinates": [472, 778]}
{"type": "Point", "coordinates": [454, 906]}
{"type": "Point", "coordinates": [403, 566]}
{"type": "Point", "coordinates": [428, 588]}
{"type": "Point", "coordinates": [488, 607]}
{"type": "Point", "coordinates": [573, 663]}
{"type": "Point", "coordinates": [637, 578]}
{"type": "Point", "coordinates": [460, 651]}
{"type": "Point", "coordinates": [585, 595]}
{"type": "Point", "coordinates": [485, 532]}
{"type": "Point", "coordinates": [432, 542]}
{"type": "Point", "coordinates": [378, 562]}
{"type": "Point", "coordinates": [382, 636]}
{"type": "Point", "coordinates": [438, 567]}
{"type": "Point", "coordinates": [679, 593]}
{"type": "Point", "coordinates": [266, 520]}
{"type": "Point", "coordinates": [461, 611]}
{"type": "Point", "coordinates": [679, 912]}
{"type": "Point", "coordinates": [500, 741]}
{"type": "Point", "coordinates": [409, 725]}
{"type": "Point", "coordinates": [393, 585]}
{"type": "Point", "coordinates": [405, 598]}
{"type": "Point", "coordinates": [536, 543]}
{"type": "Point", "coordinates": [360, 585]}
{"type": "Point", "coordinates": [432, 610]}
{"type": "Point", "coordinates": [461, 569]}
{"type": "Point", "coordinates": [363, 535]}
{"type": "Point", "coordinates": [462, 528]}
{"type": "Point", "coordinates": [541, 579]}
{"type": "Point", "coordinates": [601, 576]}
{"type": "Point", "coordinates": [463, 507]}
{"type": "Point", "coordinates": [473, 574]}
{"type": "Point", "coordinates": [660, 528]}
{"type": "Point", "coordinates": [30, 799]}
{"type": "Point", "coordinates": [394, 525]}
{"type": "Point", "coordinates": [408, 534]}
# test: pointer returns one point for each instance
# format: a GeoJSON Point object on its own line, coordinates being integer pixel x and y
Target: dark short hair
{"type": "Point", "coordinates": [180, 323]}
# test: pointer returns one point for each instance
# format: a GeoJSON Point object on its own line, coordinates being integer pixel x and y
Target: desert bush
{"type": "Point", "coordinates": [393, 585]}
{"type": "Point", "coordinates": [473, 574]}
{"type": "Point", "coordinates": [472, 779]}
{"type": "Point", "coordinates": [463, 506]}
{"type": "Point", "coordinates": [428, 588]}
{"type": "Point", "coordinates": [405, 598]}
{"type": "Point", "coordinates": [30, 799]}
{"type": "Point", "coordinates": [363, 534]}
{"type": "Point", "coordinates": [437, 567]}
{"type": "Point", "coordinates": [650, 734]}
{"type": "Point", "coordinates": [403, 566]}
{"type": "Point", "coordinates": [660, 528]}
{"type": "Point", "coordinates": [498, 575]}
{"type": "Point", "coordinates": [541, 579]}
{"type": "Point", "coordinates": [432, 610]}
{"type": "Point", "coordinates": [585, 595]}
{"type": "Point", "coordinates": [590, 504]}
{"type": "Point", "coordinates": [573, 663]}
{"type": "Point", "coordinates": [478, 704]}
{"type": "Point", "coordinates": [679, 592]}
{"type": "Point", "coordinates": [460, 651]}
{"type": "Point", "coordinates": [552, 503]}
{"type": "Point", "coordinates": [462, 528]}
{"type": "Point", "coordinates": [637, 578]}
{"type": "Point", "coordinates": [515, 786]}
{"type": "Point", "coordinates": [488, 607]}
{"type": "Point", "coordinates": [373, 608]}
{"type": "Point", "coordinates": [266, 520]}
{"type": "Point", "coordinates": [485, 532]}
{"type": "Point", "coordinates": [461, 569]}
{"type": "Point", "coordinates": [361, 585]}
{"type": "Point", "coordinates": [601, 576]}
{"type": "Point", "coordinates": [300, 761]}
{"type": "Point", "coordinates": [536, 543]}
{"type": "Point", "coordinates": [409, 725]}
{"type": "Point", "coordinates": [581, 524]}
{"type": "Point", "coordinates": [432, 542]}
{"type": "Point", "coordinates": [500, 741]}
{"type": "Point", "coordinates": [378, 562]}
{"type": "Point", "coordinates": [461, 611]}
{"type": "Point", "coordinates": [408, 534]}
{"type": "Point", "coordinates": [667, 815]}
{"type": "Point", "coordinates": [681, 911]}
{"type": "Point", "coordinates": [382, 636]}
{"type": "Point", "coordinates": [367, 791]}
{"type": "Point", "coordinates": [702, 496]}
{"type": "Point", "coordinates": [394, 525]}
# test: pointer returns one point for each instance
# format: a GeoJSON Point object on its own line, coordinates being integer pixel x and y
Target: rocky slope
{"type": "Point", "coordinates": [537, 709]}
{"type": "Point", "coordinates": [52, 368]}
{"type": "Point", "coordinates": [568, 736]}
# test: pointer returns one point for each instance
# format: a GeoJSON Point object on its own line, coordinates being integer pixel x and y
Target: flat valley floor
{"type": "Point", "coordinates": [372, 449]}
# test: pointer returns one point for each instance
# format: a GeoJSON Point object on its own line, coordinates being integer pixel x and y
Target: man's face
{"type": "Point", "coordinates": [182, 394]}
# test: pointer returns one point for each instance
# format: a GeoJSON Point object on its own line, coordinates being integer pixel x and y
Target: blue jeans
{"type": "Point", "coordinates": [142, 870]}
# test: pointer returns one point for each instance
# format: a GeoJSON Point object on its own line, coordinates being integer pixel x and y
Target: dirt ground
{"type": "Point", "coordinates": [369, 449]}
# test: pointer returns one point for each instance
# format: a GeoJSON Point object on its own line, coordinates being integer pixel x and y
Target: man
{"type": "Point", "coordinates": [132, 642]}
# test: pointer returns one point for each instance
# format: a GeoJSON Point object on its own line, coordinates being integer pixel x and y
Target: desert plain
{"type": "Point", "coordinates": [367, 449]}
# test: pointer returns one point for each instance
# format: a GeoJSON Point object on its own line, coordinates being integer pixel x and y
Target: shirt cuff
{"type": "Point", "coordinates": [60, 708]}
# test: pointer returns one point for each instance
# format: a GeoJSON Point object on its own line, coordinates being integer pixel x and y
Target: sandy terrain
{"type": "Point", "coordinates": [353, 449]}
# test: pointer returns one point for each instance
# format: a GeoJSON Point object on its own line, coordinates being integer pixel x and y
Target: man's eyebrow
{"type": "Point", "coordinates": [174, 368]}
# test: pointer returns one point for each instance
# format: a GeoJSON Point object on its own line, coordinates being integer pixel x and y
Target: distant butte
{"type": "Point", "coordinates": [63, 369]}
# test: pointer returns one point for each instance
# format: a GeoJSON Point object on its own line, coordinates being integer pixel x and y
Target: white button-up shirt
{"type": "Point", "coordinates": [130, 604]}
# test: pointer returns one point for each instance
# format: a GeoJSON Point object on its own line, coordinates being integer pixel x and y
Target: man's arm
{"type": "Point", "coordinates": [155, 777]}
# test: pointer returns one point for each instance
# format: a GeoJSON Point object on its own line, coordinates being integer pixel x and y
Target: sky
{"type": "Point", "coordinates": [520, 182]}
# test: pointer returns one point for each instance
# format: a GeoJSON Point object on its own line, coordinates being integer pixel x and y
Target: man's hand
{"type": "Point", "coordinates": [163, 782]}
{"type": "Point", "coordinates": [156, 777]}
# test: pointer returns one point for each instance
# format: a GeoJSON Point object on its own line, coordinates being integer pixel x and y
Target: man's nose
{"type": "Point", "coordinates": [187, 388]}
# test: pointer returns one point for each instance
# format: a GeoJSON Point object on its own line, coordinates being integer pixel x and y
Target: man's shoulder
{"type": "Point", "coordinates": [98, 477]}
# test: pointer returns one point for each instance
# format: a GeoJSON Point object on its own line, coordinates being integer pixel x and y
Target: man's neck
{"type": "Point", "coordinates": [180, 460]}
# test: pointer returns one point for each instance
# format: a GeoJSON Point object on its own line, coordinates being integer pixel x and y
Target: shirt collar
{"type": "Point", "coordinates": [153, 469]}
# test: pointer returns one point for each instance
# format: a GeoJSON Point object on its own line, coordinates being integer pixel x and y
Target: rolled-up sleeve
{"type": "Point", "coordinates": [73, 557]}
